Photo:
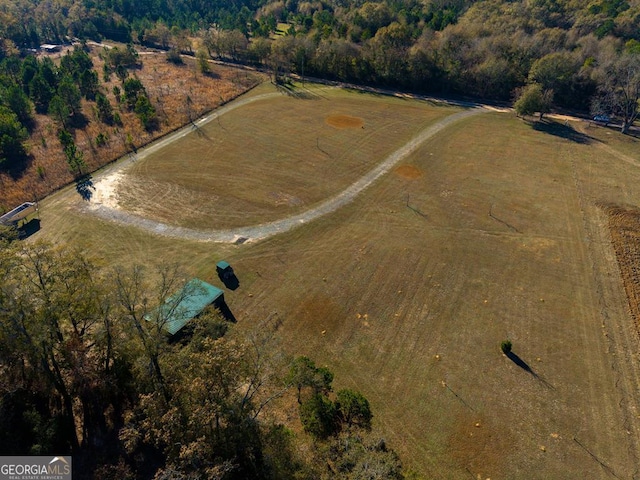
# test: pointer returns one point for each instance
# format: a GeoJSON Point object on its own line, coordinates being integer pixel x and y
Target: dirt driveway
{"type": "Point", "coordinates": [104, 204]}
{"type": "Point", "coordinates": [103, 199]}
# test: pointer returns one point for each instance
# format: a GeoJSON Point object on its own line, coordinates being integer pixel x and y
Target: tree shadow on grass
{"type": "Point", "coordinates": [565, 131]}
{"type": "Point", "coordinates": [296, 92]}
{"type": "Point", "coordinates": [85, 187]}
{"type": "Point", "coordinates": [211, 74]}
{"type": "Point", "coordinates": [525, 366]}
{"type": "Point", "coordinates": [519, 362]}
{"type": "Point", "coordinates": [29, 228]}
{"type": "Point", "coordinates": [225, 311]}
{"type": "Point", "coordinates": [635, 133]}
{"type": "Point", "coordinates": [229, 279]}
{"type": "Point", "coordinates": [77, 121]}
{"type": "Point", "coordinates": [200, 132]}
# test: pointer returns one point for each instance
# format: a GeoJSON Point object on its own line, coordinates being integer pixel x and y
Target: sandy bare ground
{"type": "Point", "coordinates": [104, 202]}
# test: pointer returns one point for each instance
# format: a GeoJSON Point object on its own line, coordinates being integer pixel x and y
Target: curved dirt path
{"type": "Point", "coordinates": [261, 231]}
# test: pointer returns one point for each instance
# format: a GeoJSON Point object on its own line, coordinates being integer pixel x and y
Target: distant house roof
{"type": "Point", "coordinates": [48, 47]}
{"type": "Point", "coordinates": [182, 306]}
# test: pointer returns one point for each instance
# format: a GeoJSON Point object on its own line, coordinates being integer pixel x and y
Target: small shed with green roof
{"type": "Point", "coordinates": [178, 309]}
{"type": "Point", "coordinates": [224, 269]}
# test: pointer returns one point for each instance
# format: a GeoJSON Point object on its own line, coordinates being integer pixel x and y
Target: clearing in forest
{"type": "Point", "coordinates": [489, 230]}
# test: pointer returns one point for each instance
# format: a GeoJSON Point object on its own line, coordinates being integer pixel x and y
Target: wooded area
{"type": "Point", "coordinates": [555, 53]}
{"type": "Point", "coordinates": [85, 373]}
{"type": "Point", "coordinates": [482, 48]}
{"type": "Point", "coordinates": [64, 115]}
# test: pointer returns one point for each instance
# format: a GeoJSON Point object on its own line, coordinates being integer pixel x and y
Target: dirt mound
{"type": "Point", "coordinates": [408, 171]}
{"type": "Point", "coordinates": [344, 121]}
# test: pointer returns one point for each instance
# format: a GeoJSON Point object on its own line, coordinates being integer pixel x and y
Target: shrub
{"type": "Point", "coordinates": [104, 108]}
{"type": "Point", "coordinates": [173, 56]}
{"type": "Point", "coordinates": [102, 139]}
{"type": "Point", "coordinates": [505, 346]}
{"type": "Point", "coordinates": [146, 113]}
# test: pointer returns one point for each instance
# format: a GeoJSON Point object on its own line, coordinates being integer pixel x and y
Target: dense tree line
{"type": "Point", "coordinates": [86, 368]}
{"type": "Point", "coordinates": [31, 84]}
{"type": "Point", "coordinates": [485, 48]}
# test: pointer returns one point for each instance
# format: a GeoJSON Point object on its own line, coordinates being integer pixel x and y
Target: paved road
{"type": "Point", "coordinates": [261, 231]}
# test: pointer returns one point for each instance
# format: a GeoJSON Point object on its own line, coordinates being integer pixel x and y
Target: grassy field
{"type": "Point", "coordinates": [491, 230]}
{"type": "Point", "coordinates": [271, 158]}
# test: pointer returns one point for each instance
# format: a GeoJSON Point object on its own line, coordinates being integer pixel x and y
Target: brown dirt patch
{"type": "Point", "coordinates": [344, 121]}
{"type": "Point", "coordinates": [408, 171]}
{"type": "Point", "coordinates": [624, 225]}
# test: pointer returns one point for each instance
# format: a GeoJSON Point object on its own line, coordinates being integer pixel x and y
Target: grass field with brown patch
{"type": "Point", "coordinates": [271, 158]}
{"type": "Point", "coordinates": [491, 230]}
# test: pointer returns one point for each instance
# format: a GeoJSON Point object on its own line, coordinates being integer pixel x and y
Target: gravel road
{"type": "Point", "coordinates": [107, 210]}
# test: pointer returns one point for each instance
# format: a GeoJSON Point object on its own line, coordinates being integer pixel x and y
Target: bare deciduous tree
{"type": "Point", "coordinates": [619, 90]}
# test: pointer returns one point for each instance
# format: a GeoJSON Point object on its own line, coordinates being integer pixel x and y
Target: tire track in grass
{"type": "Point", "coordinates": [266, 230]}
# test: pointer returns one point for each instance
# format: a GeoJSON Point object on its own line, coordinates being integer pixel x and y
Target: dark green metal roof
{"type": "Point", "coordinates": [184, 305]}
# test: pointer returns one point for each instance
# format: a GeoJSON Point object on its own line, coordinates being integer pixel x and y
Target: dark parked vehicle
{"type": "Point", "coordinates": [606, 119]}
